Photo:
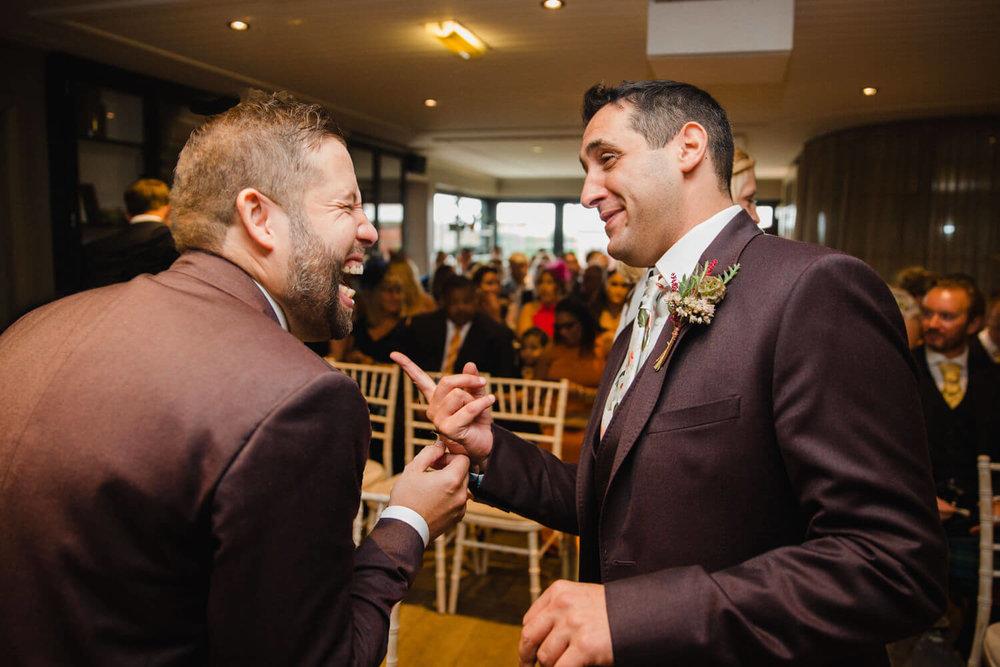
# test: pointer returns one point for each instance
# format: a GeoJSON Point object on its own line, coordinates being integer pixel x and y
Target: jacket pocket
{"type": "Point", "coordinates": [697, 415]}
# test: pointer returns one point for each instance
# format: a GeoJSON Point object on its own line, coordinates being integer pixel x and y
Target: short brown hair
{"type": "Point", "coordinates": [263, 142]}
{"type": "Point", "coordinates": [146, 194]}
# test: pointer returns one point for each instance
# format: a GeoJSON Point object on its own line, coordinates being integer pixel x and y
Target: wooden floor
{"type": "Point", "coordinates": [486, 629]}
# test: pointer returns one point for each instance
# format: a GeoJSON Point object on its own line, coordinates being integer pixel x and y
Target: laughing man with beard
{"type": "Point", "coordinates": [178, 472]}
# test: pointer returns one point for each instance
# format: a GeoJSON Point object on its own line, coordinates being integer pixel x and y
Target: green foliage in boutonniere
{"type": "Point", "coordinates": [693, 299]}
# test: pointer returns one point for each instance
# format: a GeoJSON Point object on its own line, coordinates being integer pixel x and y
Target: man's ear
{"type": "Point", "coordinates": [692, 145]}
{"type": "Point", "coordinates": [256, 214]}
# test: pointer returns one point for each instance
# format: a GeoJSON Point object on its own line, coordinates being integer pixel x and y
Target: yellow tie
{"type": "Point", "coordinates": [952, 390]}
{"type": "Point", "coordinates": [453, 346]}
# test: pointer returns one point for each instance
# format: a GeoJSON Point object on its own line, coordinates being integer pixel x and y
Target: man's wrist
{"type": "Point", "coordinates": [411, 517]}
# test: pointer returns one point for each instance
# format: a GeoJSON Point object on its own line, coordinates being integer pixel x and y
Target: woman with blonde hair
{"type": "Point", "coordinates": [402, 270]}
{"type": "Point", "coordinates": [743, 185]}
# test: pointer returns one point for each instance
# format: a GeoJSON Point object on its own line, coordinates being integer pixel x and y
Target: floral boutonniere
{"type": "Point", "coordinates": [693, 299]}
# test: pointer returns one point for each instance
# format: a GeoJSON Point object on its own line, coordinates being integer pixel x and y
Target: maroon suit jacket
{"type": "Point", "coordinates": [179, 478]}
{"type": "Point", "coordinates": [766, 497]}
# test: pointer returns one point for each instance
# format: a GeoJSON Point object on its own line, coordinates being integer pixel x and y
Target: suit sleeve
{"type": "Point", "coordinates": [870, 567]}
{"type": "Point", "coordinates": [531, 482]}
{"type": "Point", "coordinates": [288, 586]}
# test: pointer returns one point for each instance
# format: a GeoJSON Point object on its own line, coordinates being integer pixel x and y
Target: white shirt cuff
{"type": "Point", "coordinates": [408, 516]}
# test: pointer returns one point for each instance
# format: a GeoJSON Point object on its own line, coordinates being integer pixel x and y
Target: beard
{"type": "Point", "coordinates": [314, 278]}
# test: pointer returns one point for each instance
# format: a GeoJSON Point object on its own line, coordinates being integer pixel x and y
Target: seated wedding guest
{"type": "Point", "coordinates": [576, 356]}
{"type": "Point", "coordinates": [516, 287]}
{"type": "Point", "coordinates": [541, 312]}
{"type": "Point", "coordinates": [989, 337]}
{"type": "Point", "coordinates": [912, 316]}
{"type": "Point", "coordinates": [609, 305]}
{"type": "Point", "coordinates": [960, 393]}
{"type": "Point", "coordinates": [596, 257]}
{"type": "Point", "coordinates": [532, 353]}
{"type": "Point", "coordinates": [591, 283]}
{"type": "Point", "coordinates": [180, 474]}
{"type": "Point", "coordinates": [487, 281]}
{"type": "Point", "coordinates": [415, 299]}
{"type": "Point", "coordinates": [573, 270]}
{"type": "Point", "coordinates": [379, 329]}
{"type": "Point", "coordinates": [446, 339]}
{"type": "Point", "coordinates": [743, 185]}
{"type": "Point", "coordinates": [144, 246]}
{"type": "Point", "coordinates": [440, 279]}
{"type": "Point", "coordinates": [916, 280]}
{"type": "Point", "coordinates": [440, 258]}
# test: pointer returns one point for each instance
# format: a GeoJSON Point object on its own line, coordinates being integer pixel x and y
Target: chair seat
{"type": "Point", "coordinates": [482, 514]}
{"type": "Point", "coordinates": [991, 645]}
{"type": "Point", "coordinates": [379, 490]}
{"type": "Point", "coordinates": [374, 472]}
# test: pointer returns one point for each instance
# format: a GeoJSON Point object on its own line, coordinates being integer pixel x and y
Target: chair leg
{"type": "Point", "coordinates": [392, 653]}
{"type": "Point", "coordinates": [456, 567]}
{"type": "Point", "coordinates": [533, 569]}
{"type": "Point", "coordinates": [440, 573]}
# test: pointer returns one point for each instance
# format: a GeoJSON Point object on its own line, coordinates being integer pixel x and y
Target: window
{"type": "Point", "coordinates": [583, 231]}
{"type": "Point", "coordinates": [457, 222]}
{"type": "Point", "coordinates": [525, 226]}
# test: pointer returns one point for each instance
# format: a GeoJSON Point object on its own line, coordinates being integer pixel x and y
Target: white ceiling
{"type": "Point", "coordinates": [515, 112]}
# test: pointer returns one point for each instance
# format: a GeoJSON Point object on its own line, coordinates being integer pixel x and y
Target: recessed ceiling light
{"type": "Point", "coordinates": [869, 91]}
{"type": "Point", "coordinates": [536, 149]}
{"type": "Point", "coordinates": [430, 102]}
{"type": "Point", "coordinates": [239, 25]}
{"type": "Point", "coordinates": [552, 4]}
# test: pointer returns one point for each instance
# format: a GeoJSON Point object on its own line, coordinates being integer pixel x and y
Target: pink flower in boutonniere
{"type": "Point", "coordinates": [692, 300]}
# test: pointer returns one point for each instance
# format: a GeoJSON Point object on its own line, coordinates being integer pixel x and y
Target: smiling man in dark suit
{"type": "Point", "coordinates": [179, 474]}
{"type": "Point", "coordinates": [754, 487]}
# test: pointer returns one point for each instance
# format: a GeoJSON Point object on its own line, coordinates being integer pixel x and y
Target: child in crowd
{"type": "Point", "coordinates": [534, 342]}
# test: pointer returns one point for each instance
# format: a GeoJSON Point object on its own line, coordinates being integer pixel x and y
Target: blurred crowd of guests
{"type": "Point", "coordinates": [546, 317]}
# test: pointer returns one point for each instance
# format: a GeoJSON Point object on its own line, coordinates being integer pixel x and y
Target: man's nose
{"type": "Point", "coordinates": [367, 234]}
{"type": "Point", "coordinates": [593, 190]}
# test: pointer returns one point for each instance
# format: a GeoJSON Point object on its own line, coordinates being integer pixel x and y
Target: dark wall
{"type": "Point", "coordinates": [26, 274]}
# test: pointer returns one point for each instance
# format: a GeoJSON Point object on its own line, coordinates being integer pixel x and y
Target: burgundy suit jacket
{"type": "Point", "coordinates": [178, 479]}
{"type": "Point", "coordinates": [768, 496]}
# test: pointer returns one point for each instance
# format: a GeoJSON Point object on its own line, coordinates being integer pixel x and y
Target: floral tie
{"type": "Point", "coordinates": [645, 320]}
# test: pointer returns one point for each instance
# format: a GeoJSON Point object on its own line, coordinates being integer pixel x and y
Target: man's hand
{"type": "Point", "coordinates": [438, 495]}
{"type": "Point", "coordinates": [459, 407]}
{"type": "Point", "coordinates": [945, 509]}
{"type": "Point", "coordinates": [567, 625]}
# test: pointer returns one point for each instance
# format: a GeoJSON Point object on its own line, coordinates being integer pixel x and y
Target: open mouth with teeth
{"type": "Point", "coordinates": [351, 268]}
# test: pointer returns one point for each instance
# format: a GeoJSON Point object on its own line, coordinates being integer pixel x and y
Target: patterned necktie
{"type": "Point", "coordinates": [452, 356]}
{"type": "Point", "coordinates": [952, 389]}
{"type": "Point", "coordinates": [650, 312]}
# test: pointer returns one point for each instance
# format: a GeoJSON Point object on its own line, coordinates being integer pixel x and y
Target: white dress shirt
{"type": "Point", "coordinates": [679, 259]}
{"type": "Point", "coordinates": [398, 512]}
{"type": "Point", "coordinates": [992, 349]}
{"type": "Point", "coordinates": [144, 217]}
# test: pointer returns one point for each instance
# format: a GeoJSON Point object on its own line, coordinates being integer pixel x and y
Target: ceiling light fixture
{"type": "Point", "coordinates": [458, 39]}
{"type": "Point", "coordinates": [430, 102]}
{"type": "Point", "coordinates": [553, 4]}
{"type": "Point", "coordinates": [869, 91]}
{"type": "Point", "coordinates": [239, 25]}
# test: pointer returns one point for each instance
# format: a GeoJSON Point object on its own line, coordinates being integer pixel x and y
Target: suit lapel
{"type": "Point", "coordinates": [641, 398]}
